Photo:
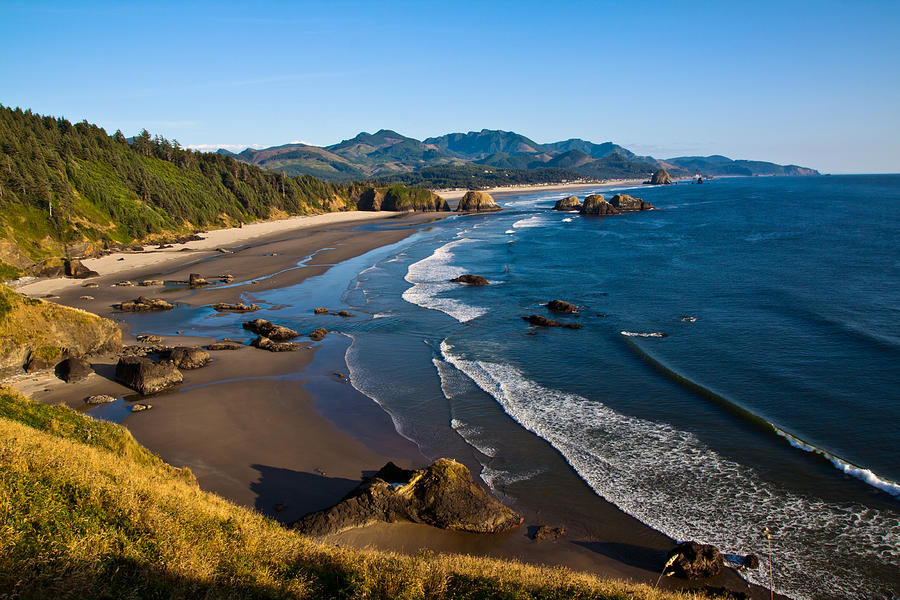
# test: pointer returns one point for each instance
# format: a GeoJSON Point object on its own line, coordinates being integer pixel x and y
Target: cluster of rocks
{"type": "Point", "coordinates": [442, 495]}
{"type": "Point", "coordinates": [277, 333]}
{"type": "Point", "coordinates": [147, 376]}
{"type": "Point", "coordinates": [596, 205]}
{"type": "Point", "coordinates": [144, 304]}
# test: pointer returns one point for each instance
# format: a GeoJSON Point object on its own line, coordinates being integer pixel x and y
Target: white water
{"type": "Point", "coordinates": [431, 278]}
{"type": "Point", "coordinates": [673, 482]}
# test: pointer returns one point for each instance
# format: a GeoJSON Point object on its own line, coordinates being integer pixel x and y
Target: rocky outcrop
{"type": "Point", "coordinates": [239, 307]}
{"type": "Point", "coordinates": [561, 306]}
{"type": "Point", "coordinates": [400, 198]}
{"type": "Point", "coordinates": [264, 343]}
{"type": "Point", "coordinates": [73, 370]}
{"type": "Point", "coordinates": [443, 495]}
{"type": "Point", "coordinates": [475, 201]}
{"type": "Point", "coordinates": [189, 358]}
{"type": "Point", "coordinates": [143, 304]}
{"type": "Point", "coordinates": [37, 335]}
{"type": "Point", "coordinates": [626, 203]}
{"type": "Point", "coordinates": [318, 334]}
{"type": "Point", "coordinates": [539, 321]}
{"type": "Point", "coordinates": [568, 204]}
{"type": "Point", "coordinates": [145, 376]}
{"type": "Point", "coordinates": [76, 270]}
{"type": "Point", "coordinates": [276, 333]}
{"type": "Point", "coordinates": [693, 560]}
{"type": "Point", "coordinates": [661, 177]}
{"type": "Point", "coordinates": [595, 204]}
{"type": "Point", "coordinates": [469, 279]}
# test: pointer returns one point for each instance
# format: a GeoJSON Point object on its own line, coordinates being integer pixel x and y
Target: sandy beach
{"type": "Point", "coordinates": [285, 433]}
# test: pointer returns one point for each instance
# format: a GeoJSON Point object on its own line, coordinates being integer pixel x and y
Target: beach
{"type": "Point", "coordinates": [286, 433]}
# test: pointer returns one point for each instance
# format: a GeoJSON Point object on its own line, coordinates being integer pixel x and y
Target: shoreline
{"type": "Point", "coordinates": [235, 422]}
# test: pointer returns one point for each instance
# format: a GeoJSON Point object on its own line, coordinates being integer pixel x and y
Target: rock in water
{"type": "Point", "coordinates": [142, 303]}
{"type": "Point", "coordinates": [475, 201]}
{"type": "Point", "coordinates": [442, 495]}
{"type": "Point", "coordinates": [570, 203]}
{"type": "Point", "coordinates": [72, 370]}
{"type": "Point", "coordinates": [240, 307]}
{"type": "Point", "coordinates": [596, 205]}
{"type": "Point", "coordinates": [561, 306]}
{"type": "Point", "coordinates": [195, 279]}
{"type": "Point", "coordinates": [318, 334]}
{"type": "Point", "coordinates": [145, 376]}
{"type": "Point", "coordinates": [661, 177]}
{"type": "Point", "coordinates": [189, 358]}
{"type": "Point", "coordinates": [470, 280]}
{"type": "Point", "coordinates": [99, 399]}
{"type": "Point", "coordinates": [626, 203]}
{"type": "Point", "coordinates": [277, 333]}
{"type": "Point", "coordinates": [695, 561]}
{"type": "Point", "coordinates": [539, 321]}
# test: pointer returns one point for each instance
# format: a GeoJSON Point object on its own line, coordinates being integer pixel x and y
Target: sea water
{"type": "Point", "coordinates": [736, 368]}
{"type": "Point", "coordinates": [772, 399]}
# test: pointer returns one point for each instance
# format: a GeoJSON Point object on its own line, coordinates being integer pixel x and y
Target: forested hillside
{"type": "Point", "coordinates": [65, 185]}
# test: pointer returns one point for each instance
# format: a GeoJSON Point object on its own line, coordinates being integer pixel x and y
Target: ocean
{"type": "Point", "coordinates": [771, 401]}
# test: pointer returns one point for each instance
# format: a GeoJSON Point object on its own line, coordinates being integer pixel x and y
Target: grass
{"type": "Point", "coordinates": [86, 512]}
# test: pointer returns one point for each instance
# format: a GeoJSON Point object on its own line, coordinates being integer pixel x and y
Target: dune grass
{"type": "Point", "coordinates": [86, 512]}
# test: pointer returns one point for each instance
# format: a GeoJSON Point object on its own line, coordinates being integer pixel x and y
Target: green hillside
{"type": "Point", "coordinates": [86, 512]}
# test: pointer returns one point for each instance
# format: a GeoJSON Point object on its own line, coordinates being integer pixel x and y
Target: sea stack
{"type": "Point", "coordinates": [626, 203]}
{"type": "Point", "coordinates": [475, 201]}
{"type": "Point", "coordinates": [596, 205]}
{"type": "Point", "coordinates": [570, 203]}
{"type": "Point", "coordinates": [661, 177]}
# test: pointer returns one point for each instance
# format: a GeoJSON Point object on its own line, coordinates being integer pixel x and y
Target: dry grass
{"type": "Point", "coordinates": [94, 515]}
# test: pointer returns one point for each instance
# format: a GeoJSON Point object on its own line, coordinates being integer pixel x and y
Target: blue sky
{"type": "Point", "coordinates": [810, 83]}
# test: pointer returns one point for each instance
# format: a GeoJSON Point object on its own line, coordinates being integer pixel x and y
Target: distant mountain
{"type": "Point", "coordinates": [494, 155]}
{"type": "Point", "coordinates": [722, 165]}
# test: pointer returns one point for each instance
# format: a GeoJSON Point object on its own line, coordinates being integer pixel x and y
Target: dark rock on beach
{"type": "Point", "coordinates": [596, 205]}
{"type": "Point", "coordinates": [73, 370]}
{"type": "Point", "coordinates": [545, 533]}
{"type": "Point", "coordinates": [189, 358]}
{"type": "Point", "coordinates": [443, 495]}
{"type": "Point", "coordinates": [225, 345]}
{"type": "Point", "coordinates": [99, 399]}
{"type": "Point", "coordinates": [695, 561]}
{"type": "Point", "coordinates": [539, 321]}
{"type": "Point", "coordinates": [568, 204]}
{"type": "Point", "coordinates": [264, 343]}
{"type": "Point", "coordinates": [277, 333]}
{"type": "Point", "coordinates": [145, 376]}
{"type": "Point", "coordinates": [469, 279]}
{"type": "Point", "coordinates": [195, 280]}
{"type": "Point", "coordinates": [561, 306]}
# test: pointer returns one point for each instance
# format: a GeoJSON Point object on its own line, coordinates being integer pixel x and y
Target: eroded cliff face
{"type": "Point", "coordinates": [36, 335]}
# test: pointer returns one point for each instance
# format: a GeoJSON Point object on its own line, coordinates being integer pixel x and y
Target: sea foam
{"type": "Point", "coordinates": [431, 278]}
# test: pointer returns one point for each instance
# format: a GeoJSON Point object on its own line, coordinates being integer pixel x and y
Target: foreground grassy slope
{"type": "Point", "coordinates": [85, 512]}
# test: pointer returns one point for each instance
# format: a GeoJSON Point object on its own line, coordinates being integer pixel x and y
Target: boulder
{"type": "Point", "coordinates": [189, 358]}
{"type": "Point", "coordinates": [99, 399]}
{"type": "Point", "coordinates": [539, 321]}
{"type": "Point", "coordinates": [72, 370]}
{"type": "Point", "coordinates": [139, 407]}
{"type": "Point", "coordinates": [46, 357]}
{"type": "Point", "coordinates": [626, 203]}
{"type": "Point", "coordinates": [561, 306]}
{"type": "Point", "coordinates": [264, 343]}
{"type": "Point", "coordinates": [475, 201]}
{"type": "Point", "coordinates": [443, 495]}
{"type": "Point", "coordinates": [545, 532]}
{"type": "Point", "coordinates": [195, 280]}
{"type": "Point", "coordinates": [143, 304]}
{"type": "Point", "coordinates": [469, 279]}
{"type": "Point", "coordinates": [693, 560]}
{"type": "Point", "coordinates": [596, 205]}
{"type": "Point", "coordinates": [76, 270]}
{"type": "Point", "coordinates": [570, 203]}
{"type": "Point", "coordinates": [319, 334]}
{"type": "Point", "coordinates": [225, 345]}
{"type": "Point", "coordinates": [661, 177]}
{"type": "Point", "coordinates": [145, 376]}
{"type": "Point", "coordinates": [321, 311]}
{"type": "Point", "coordinates": [239, 307]}
{"type": "Point", "coordinates": [277, 333]}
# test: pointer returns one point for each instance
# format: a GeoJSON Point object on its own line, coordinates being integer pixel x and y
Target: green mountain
{"type": "Point", "coordinates": [73, 189]}
{"type": "Point", "coordinates": [487, 157]}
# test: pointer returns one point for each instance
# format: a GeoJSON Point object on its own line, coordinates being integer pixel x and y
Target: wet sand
{"type": "Point", "coordinates": [285, 434]}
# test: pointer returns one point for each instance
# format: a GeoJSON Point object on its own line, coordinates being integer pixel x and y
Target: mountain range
{"type": "Point", "coordinates": [486, 157]}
